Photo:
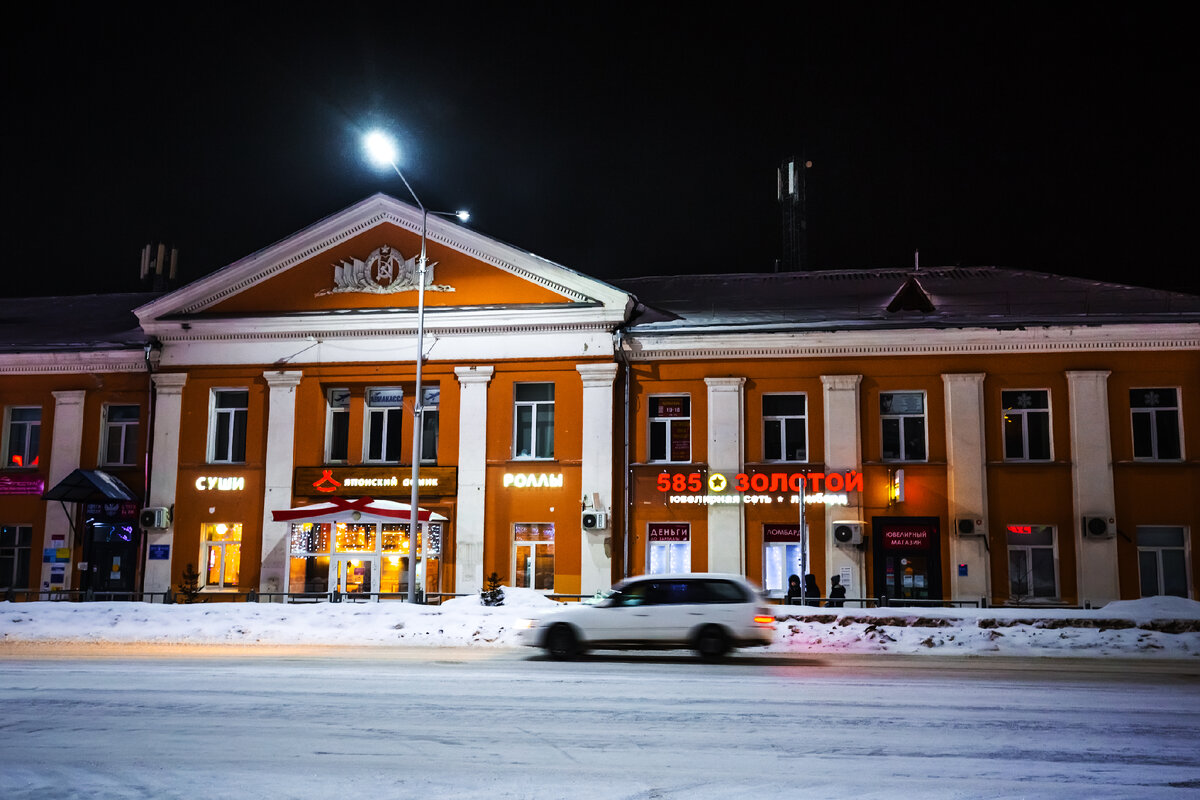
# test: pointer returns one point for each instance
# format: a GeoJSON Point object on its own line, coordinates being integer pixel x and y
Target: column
{"type": "Point", "coordinates": [595, 567]}
{"type": "Point", "coordinates": [164, 472]}
{"type": "Point", "coordinates": [726, 523]}
{"type": "Point", "coordinates": [966, 476]}
{"type": "Point", "coordinates": [469, 527]}
{"type": "Point", "coordinates": [277, 476]}
{"type": "Point", "coordinates": [843, 451]}
{"type": "Point", "coordinates": [65, 445]}
{"type": "Point", "coordinates": [1092, 485]}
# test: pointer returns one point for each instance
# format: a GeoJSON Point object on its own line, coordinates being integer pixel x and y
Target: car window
{"type": "Point", "coordinates": [633, 595]}
{"type": "Point", "coordinates": [717, 592]}
{"type": "Point", "coordinates": [670, 593]}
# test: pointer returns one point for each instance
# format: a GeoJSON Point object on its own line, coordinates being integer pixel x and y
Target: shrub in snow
{"type": "Point", "coordinates": [492, 594]}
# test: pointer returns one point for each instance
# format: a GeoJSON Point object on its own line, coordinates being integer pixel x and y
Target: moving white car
{"type": "Point", "coordinates": [710, 613]}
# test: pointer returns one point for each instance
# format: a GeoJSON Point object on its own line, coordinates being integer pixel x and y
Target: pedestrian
{"type": "Point", "coordinates": [812, 592]}
{"type": "Point", "coordinates": [837, 593]}
{"type": "Point", "coordinates": [793, 591]}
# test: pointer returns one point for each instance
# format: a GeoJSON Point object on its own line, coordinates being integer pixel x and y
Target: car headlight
{"type": "Point", "coordinates": [525, 624]}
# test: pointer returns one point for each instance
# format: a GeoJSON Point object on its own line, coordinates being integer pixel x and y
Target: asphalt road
{"type": "Point", "coordinates": [185, 722]}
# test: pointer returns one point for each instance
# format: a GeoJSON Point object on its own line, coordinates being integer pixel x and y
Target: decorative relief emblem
{"type": "Point", "coordinates": [384, 272]}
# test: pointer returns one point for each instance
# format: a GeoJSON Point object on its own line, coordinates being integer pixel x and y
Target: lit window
{"type": "Point", "coordinates": [1026, 425]}
{"type": "Point", "coordinates": [222, 554]}
{"type": "Point", "coordinates": [23, 432]}
{"type": "Point", "coordinates": [670, 424]}
{"type": "Point", "coordinates": [670, 548]}
{"type": "Point", "coordinates": [902, 415]}
{"type": "Point", "coordinates": [1162, 560]}
{"type": "Point", "coordinates": [228, 426]}
{"type": "Point", "coordinates": [1155, 424]}
{"type": "Point", "coordinates": [533, 555]}
{"type": "Point", "coordinates": [15, 541]}
{"type": "Point", "coordinates": [309, 570]}
{"type": "Point", "coordinates": [120, 435]}
{"type": "Point", "coordinates": [784, 427]}
{"type": "Point", "coordinates": [533, 420]}
{"type": "Point", "coordinates": [1032, 568]}
{"type": "Point", "coordinates": [782, 557]}
{"type": "Point", "coordinates": [385, 410]}
{"type": "Point", "coordinates": [337, 426]}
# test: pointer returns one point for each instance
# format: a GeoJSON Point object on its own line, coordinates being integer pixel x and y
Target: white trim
{"type": "Point", "coordinates": [92, 361]}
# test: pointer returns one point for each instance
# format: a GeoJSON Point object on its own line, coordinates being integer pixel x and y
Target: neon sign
{"type": "Point", "coordinates": [528, 480]}
{"type": "Point", "coordinates": [214, 483]}
{"type": "Point", "coordinates": [827, 488]}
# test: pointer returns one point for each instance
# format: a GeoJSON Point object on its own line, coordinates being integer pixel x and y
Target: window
{"type": "Point", "coordinates": [337, 426]}
{"type": "Point", "coordinates": [385, 409]}
{"type": "Point", "coordinates": [671, 428]}
{"type": "Point", "coordinates": [1155, 424]}
{"type": "Point", "coordinates": [533, 555]}
{"type": "Point", "coordinates": [222, 554]}
{"type": "Point", "coordinates": [15, 541]}
{"type": "Point", "coordinates": [23, 431]}
{"type": "Point", "coordinates": [429, 424]}
{"type": "Point", "coordinates": [785, 436]}
{"type": "Point", "coordinates": [533, 420]}
{"type": "Point", "coordinates": [1162, 560]}
{"type": "Point", "coordinates": [1032, 568]}
{"type": "Point", "coordinates": [1026, 424]}
{"type": "Point", "coordinates": [120, 435]}
{"type": "Point", "coordinates": [782, 557]}
{"type": "Point", "coordinates": [902, 415]}
{"type": "Point", "coordinates": [228, 426]}
{"type": "Point", "coordinates": [670, 548]}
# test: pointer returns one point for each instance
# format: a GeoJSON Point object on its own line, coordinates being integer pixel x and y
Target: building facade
{"type": "Point", "coordinates": [950, 434]}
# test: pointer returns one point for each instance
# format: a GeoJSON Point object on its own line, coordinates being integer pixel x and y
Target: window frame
{"type": "Point", "coordinates": [1024, 415]}
{"type": "Point", "coordinates": [782, 419]}
{"type": "Point", "coordinates": [387, 413]}
{"type": "Point", "coordinates": [901, 417]}
{"type": "Point", "coordinates": [534, 545]}
{"type": "Point", "coordinates": [671, 547]}
{"type": "Point", "coordinates": [207, 545]}
{"type": "Point", "coordinates": [1184, 550]}
{"type": "Point", "coordinates": [20, 554]}
{"type": "Point", "coordinates": [29, 426]}
{"type": "Point", "coordinates": [669, 422]}
{"type": "Point", "coordinates": [336, 415]}
{"type": "Point", "coordinates": [1029, 596]}
{"type": "Point", "coordinates": [536, 407]}
{"type": "Point", "coordinates": [215, 412]}
{"type": "Point", "coordinates": [430, 418]}
{"type": "Point", "coordinates": [1152, 412]}
{"type": "Point", "coordinates": [106, 428]}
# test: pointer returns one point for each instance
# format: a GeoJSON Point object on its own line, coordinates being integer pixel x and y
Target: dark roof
{"type": "Point", "coordinates": [75, 323]}
{"type": "Point", "coordinates": [89, 486]}
{"type": "Point", "coordinates": [940, 297]}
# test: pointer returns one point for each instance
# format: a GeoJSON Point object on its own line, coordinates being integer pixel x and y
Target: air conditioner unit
{"type": "Point", "coordinates": [970, 526]}
{"type": "Point", "coordinates": [1098, 527]}
{"type": "Point", "coordinates": [594, 520]}
{"type": "Point", "coordinates": [155, 518]}
{"type": "Point", "coordinates": [848, 532]}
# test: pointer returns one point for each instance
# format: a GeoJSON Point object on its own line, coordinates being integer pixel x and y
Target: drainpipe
{"type": "Point", "coordinates": [625, 486]}
{"type": "Point", "coordinates": [152, 346]}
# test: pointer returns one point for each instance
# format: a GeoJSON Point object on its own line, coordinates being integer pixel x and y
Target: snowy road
{"type": "Point", "coordinates": [460, 723]}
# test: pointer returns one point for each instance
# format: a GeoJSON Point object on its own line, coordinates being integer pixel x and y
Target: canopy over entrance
{"type": "Point", "coordinates": [361, 509]}
{"type": "Point", "coordinates": [89, 486]}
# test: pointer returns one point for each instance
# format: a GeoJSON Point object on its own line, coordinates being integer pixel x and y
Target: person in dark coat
{"type": "Point", "coordinates": [812, 592]}
{"type": "Point", "coordinates": [837, 593]}
{"type": "Point", "coordinates": [793, 591]}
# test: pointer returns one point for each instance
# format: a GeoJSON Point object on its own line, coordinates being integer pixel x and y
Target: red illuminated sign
{"type": "Point", "coordinates": [1026, 529]}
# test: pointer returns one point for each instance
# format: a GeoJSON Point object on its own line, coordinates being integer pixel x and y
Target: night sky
{"type": "Point", "coordinates": [617, 144]}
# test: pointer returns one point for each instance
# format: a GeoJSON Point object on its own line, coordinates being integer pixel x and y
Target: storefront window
{"type": "Point", "coordinates": [782, 557]}
{"type": "Point", "coordinates": [1032, 572]}
{"type": "Point", "coordinates": [222, 554]}
{"type": "Point", "coordinates": [309, 567]}
{"type": "Point", "coordinates": [670, 548]}
{"type": "Point", "coordinates": [15, 541]}
{"type": "Point", "coordinates": [354, 538]}
{"type": "Point", "coordinates": [533, 555]}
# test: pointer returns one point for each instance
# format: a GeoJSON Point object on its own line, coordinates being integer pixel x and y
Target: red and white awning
{"type": "Point", "coordinates": [356, 509]}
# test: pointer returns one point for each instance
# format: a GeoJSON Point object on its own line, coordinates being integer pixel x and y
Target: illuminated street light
{"type": "Point", "coordinates": [382, 151]}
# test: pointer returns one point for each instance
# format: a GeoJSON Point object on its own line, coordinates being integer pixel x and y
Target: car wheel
{"type": "Point", "coordinates": [561, 642]}
{"type": "Point", "coordinates": [712, 643]}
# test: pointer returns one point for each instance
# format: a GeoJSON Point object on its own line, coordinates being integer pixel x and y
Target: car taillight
{"type": "Point", "coordinates": [764, 619]}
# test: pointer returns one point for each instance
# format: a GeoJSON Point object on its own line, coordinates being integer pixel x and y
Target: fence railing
{"type": "Point", "coordinates": [883, 601]}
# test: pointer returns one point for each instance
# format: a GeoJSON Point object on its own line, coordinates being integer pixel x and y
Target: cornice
{"type": "Point", "coordinates": [963, 341]}
{"type": "Point", "coordinates": [99, 361]}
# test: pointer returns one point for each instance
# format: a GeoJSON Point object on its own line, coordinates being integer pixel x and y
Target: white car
{"type": "Point", "coordinates": [708, 612]}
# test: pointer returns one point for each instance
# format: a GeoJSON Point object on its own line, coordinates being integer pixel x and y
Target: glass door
{"type": "Point", "coordinates": [354, 574]}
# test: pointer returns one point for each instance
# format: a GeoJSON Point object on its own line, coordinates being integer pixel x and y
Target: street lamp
{"type": "Point", "coordinates": [382, 151]}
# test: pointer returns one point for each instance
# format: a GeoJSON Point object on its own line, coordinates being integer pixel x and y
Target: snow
{"type": "Point", "coordinates": [1157, 627]}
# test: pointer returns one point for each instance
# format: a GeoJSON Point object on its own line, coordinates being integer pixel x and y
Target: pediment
{"type": "Point", "coordinates": [364, 260]}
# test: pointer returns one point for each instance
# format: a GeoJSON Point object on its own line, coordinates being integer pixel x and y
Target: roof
{"type": "Point", "coordinates": [940, 297]}
{"type": "Point", "coordinates": [74, 323]}
{"type": "Point", "coordinates": [89, 485]}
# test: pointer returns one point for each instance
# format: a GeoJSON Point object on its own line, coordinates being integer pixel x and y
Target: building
{"type": "Point", "coordinates": [967, 434]}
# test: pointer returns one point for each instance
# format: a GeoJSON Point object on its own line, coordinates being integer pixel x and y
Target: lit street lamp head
{"type": "Point", "coordinates": [380, 149]}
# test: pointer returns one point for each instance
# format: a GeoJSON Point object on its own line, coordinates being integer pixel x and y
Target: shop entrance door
{"type": "Point", "coordinates": [354, 574]}
{"type": "Point", "coordinates": [907, 558]}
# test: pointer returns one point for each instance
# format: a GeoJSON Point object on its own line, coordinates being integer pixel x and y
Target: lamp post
{"type": "Point", "coordinates": [382, 151]}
